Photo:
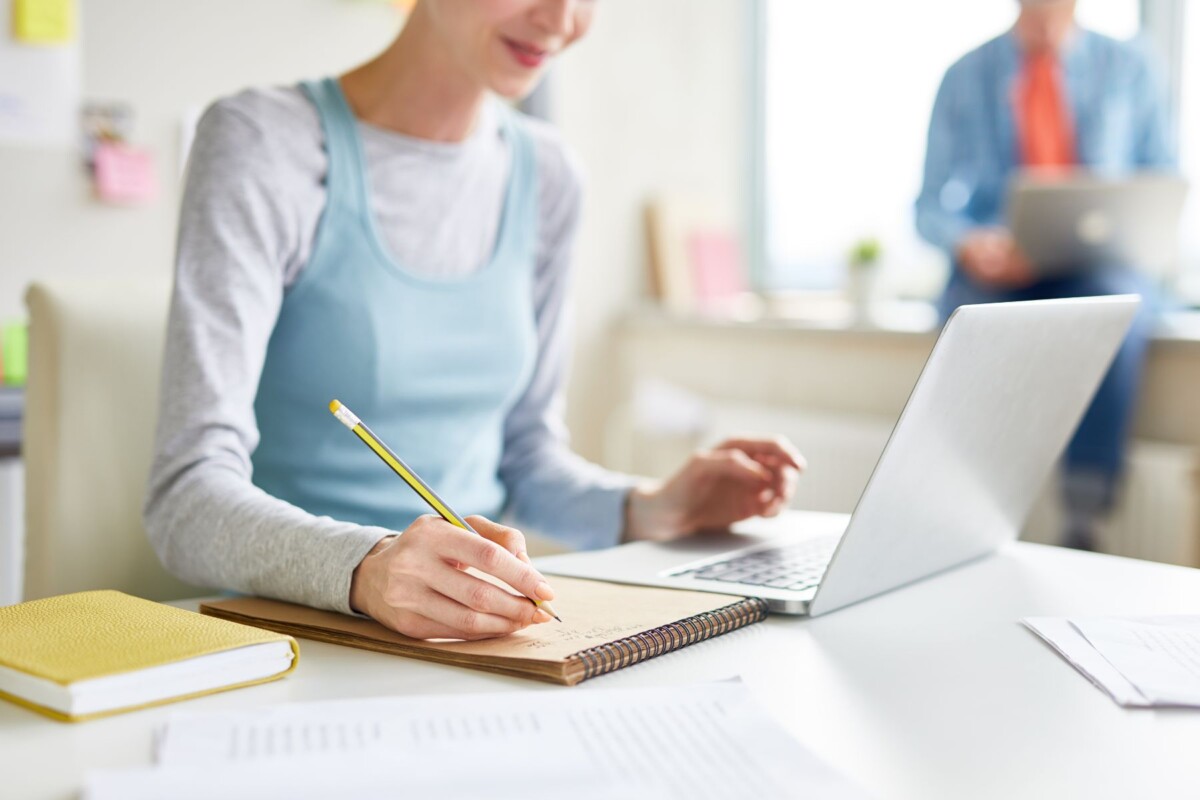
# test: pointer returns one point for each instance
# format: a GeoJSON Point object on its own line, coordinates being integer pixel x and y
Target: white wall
{"type": "Point", "coordinates": [653, 99]}
{"type": "Point", "coordinates": [160, 57]}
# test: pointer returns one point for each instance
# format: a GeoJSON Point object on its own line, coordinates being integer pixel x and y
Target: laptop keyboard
{"type": "Point", "coordinates": [795, 567]}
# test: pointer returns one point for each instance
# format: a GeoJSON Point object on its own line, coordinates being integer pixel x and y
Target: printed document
{"type": "Point", "coordinates": [709, 741]}
{"type": "Point", "coordinates": [1144, 662]}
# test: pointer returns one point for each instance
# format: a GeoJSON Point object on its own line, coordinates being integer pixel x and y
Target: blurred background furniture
{"type": "Point", "coordinates": [12, 495]}
{"type": "Point", "coordinates": [91, 405]}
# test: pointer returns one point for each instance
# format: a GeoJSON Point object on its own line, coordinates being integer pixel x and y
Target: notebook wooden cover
{"type": "Point", "coordinates": [606, 627]}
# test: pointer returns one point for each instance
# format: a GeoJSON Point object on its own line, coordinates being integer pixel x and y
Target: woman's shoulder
{"type": "Point", "coordinates": [560, 172]}
{"type": "Point", "coordinates": [265, 104]}
{"type": "Point", "coordinates": [277, 118]}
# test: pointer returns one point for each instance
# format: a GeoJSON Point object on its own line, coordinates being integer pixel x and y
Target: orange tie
{"type": "Point", "coordinates": [1046, 133]}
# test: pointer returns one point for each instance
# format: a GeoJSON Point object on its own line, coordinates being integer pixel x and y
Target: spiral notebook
{"type": "Point", "coordinates": [606, 627]}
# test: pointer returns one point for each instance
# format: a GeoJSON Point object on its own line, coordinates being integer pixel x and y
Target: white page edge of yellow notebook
{"type": "Point", "coordinates": [206, 673]}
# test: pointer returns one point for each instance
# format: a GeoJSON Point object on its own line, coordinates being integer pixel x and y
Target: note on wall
{"type": "Point", "coordinates": [718, 276]}
{"type": "Point", "coordinates": [124, 174]}
{"type": "Point", "coordinates": [39, 89]}
{"type": "Point", "coordinates": [47, 22]}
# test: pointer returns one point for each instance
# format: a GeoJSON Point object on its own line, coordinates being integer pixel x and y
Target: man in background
{"type": "Point", "coordinates": [1048, 96]}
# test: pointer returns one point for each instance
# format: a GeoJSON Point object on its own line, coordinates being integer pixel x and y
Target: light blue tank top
{"type": "Point", "coordinates": [433, 366]}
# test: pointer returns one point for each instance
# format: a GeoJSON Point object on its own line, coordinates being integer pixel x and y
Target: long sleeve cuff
{"type": "Point", "coordinates": [598, 520]}
{"type": "Point", "coordinates": [345, 553]}
{"type": "Point", "coordinates": [590, 519]}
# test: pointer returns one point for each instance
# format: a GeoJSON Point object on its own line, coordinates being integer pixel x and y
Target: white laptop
{"type": "Point", "coordinates": [997, 401]}
{"type": "Point", "coordinates": [1081, 221]}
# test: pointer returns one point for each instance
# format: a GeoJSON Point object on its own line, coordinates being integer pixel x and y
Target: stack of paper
{"type": "Point", "coordinates": [1144, 662]}
{"type": "Point", "coordinates": [699, 742]}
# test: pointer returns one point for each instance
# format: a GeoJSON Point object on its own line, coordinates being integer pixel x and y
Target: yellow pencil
{"type": "Point", "coordinates": [347, 418]}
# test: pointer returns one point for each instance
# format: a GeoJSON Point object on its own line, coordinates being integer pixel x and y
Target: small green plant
{"type": "Point", "coordinates": [865, 253]}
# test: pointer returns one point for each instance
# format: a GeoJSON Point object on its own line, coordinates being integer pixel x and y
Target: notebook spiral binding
{"type": "Point", "coordinates": [606, 658]}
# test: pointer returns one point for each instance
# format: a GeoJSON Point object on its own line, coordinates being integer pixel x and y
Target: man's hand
{"type": "Point", "coordinates": [992, 258]}
{"type": "Point", "coordinates": [739, 478]}
{"type": "Point", "coordinates": [416, 583]}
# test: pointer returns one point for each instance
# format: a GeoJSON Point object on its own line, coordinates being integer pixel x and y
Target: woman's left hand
{"type": "Point", "coordinates": [739, 478]}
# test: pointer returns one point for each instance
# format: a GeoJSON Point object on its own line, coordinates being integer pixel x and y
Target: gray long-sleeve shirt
{"type": "Point", "coordinates": [254, 195]}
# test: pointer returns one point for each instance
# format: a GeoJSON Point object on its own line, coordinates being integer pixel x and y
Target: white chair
{"type": "Point", "coordinates": [90, 412]}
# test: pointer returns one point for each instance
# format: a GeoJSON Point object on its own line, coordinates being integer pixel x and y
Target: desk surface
{"type": "Point", "coordinates": [932, 691]}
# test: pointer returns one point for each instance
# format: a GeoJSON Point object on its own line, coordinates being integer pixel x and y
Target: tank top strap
{"type": "Point", "coordinates": [519, 225]}
{"type": "Point", "coordinates": [345, 179]}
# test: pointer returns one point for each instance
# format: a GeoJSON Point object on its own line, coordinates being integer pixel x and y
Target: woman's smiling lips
{"type": "Point", "coordinates": [526, 54]}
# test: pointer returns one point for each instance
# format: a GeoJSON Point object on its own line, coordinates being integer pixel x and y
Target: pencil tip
{"type": "Point", "coordinates": [557, 617]}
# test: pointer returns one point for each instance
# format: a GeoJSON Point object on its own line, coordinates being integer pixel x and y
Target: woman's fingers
{"type": "Point", "coordinates": [483, 596]}
{"type": "Point", "coordinates": [775, 506]}
{"type": "Point", "coordinates": [421, 627]}
{"type": "Point", "coordinates": [510, 539]}
{"type": "Point", "coordinates": [783, 482]}
{"type": "Point", "coordinates": [778, 449]}
{"type": "Point", "coordinates": [493, 559]}
{"type": "Point", "coordinates": [783, 462]}
{"type": "Point", "coordinates": [465, 622]}
{"type": "Point", "coordinates": [783, 495]}
{"type": "Point", "coordinates": [418, 626]}
{"type": "Point", "coordinates": [735, 464]}
{"type": "Point", "coordinates": [414, 584]}
{"type": "Point", "coordinates": [741, 478]}
{"type": "Point", "coordinates": [783, 487]}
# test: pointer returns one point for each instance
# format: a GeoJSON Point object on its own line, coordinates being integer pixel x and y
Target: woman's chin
{"type": "Point", "coordinates": [515, 87]}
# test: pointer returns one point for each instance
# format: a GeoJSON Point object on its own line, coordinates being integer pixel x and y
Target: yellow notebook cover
{"type": "Point", "coordinates": [78, 637]}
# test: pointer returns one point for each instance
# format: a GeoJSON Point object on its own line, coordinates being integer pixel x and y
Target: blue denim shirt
{"type": "Point", "coordinates": [1118, 104]}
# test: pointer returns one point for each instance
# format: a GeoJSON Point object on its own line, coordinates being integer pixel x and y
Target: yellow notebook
{"type": "Point", "coordinates": [85, 655]}
{"type": "Point", "coordinates": [605, 627]}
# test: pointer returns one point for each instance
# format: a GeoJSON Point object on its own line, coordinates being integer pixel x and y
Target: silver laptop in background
{"type": "Point", "coordinates": [1073, 223]}
{"type": "Point", "coordinates": [997, 401]}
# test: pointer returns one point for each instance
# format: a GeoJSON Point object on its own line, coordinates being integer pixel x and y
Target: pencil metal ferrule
{"type": "Point", "coordinates": [345, 415]}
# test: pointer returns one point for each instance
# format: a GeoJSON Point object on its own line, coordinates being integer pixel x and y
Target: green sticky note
{"type": "Point", "coordinates": [14, 338]}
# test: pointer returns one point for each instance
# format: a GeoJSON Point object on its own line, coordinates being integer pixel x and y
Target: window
{"type": "Point", "coordinates": [848, 90]}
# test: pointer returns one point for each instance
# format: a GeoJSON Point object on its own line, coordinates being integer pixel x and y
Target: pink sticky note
{"type": "Point", "coordinates": [124, 174]}
{"type": "Point", "coordinates": [716, 267]}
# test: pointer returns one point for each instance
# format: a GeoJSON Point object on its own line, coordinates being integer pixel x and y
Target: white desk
{"type": "Point", "coordinates": [933, 691]}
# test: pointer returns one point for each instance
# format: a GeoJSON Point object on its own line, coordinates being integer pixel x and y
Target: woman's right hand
{"type": "Point", "coordinates": [416, 583]}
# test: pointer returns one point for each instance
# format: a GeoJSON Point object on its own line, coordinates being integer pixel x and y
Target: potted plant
{"type": "Point", "coordinates": [862, 275]}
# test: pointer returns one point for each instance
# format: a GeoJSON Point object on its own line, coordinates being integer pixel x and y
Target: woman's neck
{"type": "Point", "coordinates": [415, 88]}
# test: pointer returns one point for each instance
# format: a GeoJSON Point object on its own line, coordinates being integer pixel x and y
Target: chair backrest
{"type": "Point", "coordinates": [90, 412]}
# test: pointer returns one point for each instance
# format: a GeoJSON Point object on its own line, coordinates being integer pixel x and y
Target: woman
{"type": "Point", "coordinates": [397, 239]}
